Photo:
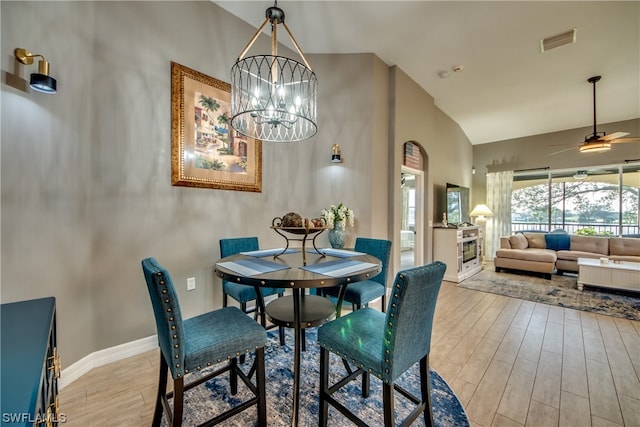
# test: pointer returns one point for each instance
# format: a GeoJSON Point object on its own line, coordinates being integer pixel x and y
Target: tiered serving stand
{"type": "Point", "coordinates": [309, 229]}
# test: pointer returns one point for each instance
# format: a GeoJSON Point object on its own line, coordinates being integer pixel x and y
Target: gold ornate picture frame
{"type": "Point", "coordinates": [205, 150]}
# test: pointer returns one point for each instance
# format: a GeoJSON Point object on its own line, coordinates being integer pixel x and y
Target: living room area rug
{"type": "Point", "coordinates": [560, 291]}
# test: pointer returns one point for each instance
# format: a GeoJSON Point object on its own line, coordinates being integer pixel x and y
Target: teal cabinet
{"type": "Point", "coordinates": [29, 364]}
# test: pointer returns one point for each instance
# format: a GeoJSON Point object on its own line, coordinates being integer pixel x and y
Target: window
{"type": "Point", "coordinates": [595, 201]}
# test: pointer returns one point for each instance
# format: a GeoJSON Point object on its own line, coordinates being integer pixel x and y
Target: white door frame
{"type": "Point", "coordinates": [418, 244]}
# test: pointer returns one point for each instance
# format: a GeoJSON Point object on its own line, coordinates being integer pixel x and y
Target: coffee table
{"type": "Point", "coordinates": [616, 275]}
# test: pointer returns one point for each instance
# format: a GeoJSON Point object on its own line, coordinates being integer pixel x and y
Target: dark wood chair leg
{"type": "Point", "coordinates": [261, 386]}
{"type": "Point", "coordinates": [233, 375]}
{"type": "Point", "coordinates": [225, 299]}
{"type": "Point", "coordinates": [365, 384]}
{"type": "Point", "coordinates": [384, 301]}
{"type": "Point", "coordinates": [387, 403]}
{"type": "Point", "coordinates": [162, 389]}
{"type": "Point", "coordinates": [425, 387]}
{"type": "Point", "coordinates": [178, 401]}
{"type": "Point", "coordinates": [243, 307]}
{"type": "Point", "coordinates": [260, 307]}
{"type": "Point", "coordinates": [281, 334]}
{"type": "Point", "coordinates": [323, 410]}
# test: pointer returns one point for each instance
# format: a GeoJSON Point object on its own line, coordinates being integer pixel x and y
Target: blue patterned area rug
{"type": "Point", "coordinates": [560, 291]}
{"type": "Point", "coordinates": [203, 401]}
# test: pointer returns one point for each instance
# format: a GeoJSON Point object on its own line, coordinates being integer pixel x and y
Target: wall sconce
{"type": "Point", "coordinates": [40, 81]}
{"type": "Point", "coordinates": [335, 156]}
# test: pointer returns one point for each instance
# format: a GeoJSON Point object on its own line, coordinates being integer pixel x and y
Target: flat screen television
{"type": "Point", "coordinates": [457, 204]}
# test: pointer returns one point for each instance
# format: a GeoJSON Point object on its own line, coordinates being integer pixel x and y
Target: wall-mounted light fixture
{"type": "Point", "coordinates": [40, 81]}
{"type": "Point", "coordinates": [335, 154]}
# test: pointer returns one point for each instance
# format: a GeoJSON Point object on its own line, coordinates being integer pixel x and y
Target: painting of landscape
{"type": "Point", "coordinates": [206, 150]}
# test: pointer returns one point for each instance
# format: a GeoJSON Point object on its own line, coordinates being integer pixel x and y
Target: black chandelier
{"type": "Point", "coordinates": [273, 98]}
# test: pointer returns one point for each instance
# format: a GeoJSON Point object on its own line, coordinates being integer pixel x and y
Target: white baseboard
{"type": "Point", "coordinates": [103, 357]}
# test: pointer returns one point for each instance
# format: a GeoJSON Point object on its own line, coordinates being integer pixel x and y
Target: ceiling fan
{"type": "Point", "coordinates": [599, 142]}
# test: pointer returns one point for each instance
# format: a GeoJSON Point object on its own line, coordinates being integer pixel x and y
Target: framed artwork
{"type": "Point", "coordinates": [205, 150]}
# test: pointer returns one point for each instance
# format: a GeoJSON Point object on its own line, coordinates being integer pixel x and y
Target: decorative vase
{"type": "Point", "coordinates": [337, 237]}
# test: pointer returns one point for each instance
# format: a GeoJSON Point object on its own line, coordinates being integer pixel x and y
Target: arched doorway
{"type": "Point", "coordinates": [412, 213]}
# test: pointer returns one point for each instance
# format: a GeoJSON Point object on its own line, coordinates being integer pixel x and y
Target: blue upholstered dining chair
{"type": "Point", "coordinates": [359, 294]}
{"type": "Point", "coordinates": [201, 342]}
{"type": "Point", "coordinates": [385, 345]}
{"type": "Point", "coordinates": [246, 293]}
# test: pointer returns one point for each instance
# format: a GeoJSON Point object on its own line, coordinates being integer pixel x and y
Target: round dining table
{"type": "Point", "coordinates": [268, 268]}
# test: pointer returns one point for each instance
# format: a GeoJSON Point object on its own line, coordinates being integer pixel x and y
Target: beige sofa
{"type": "Point", "coordinates": [547, 252]}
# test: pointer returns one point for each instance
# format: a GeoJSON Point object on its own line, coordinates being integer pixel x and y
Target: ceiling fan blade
{"type": "Point", "coordinates": [614, 135]}
{"type": "Point", "coordinates": [623, 140]}
{"type": "Point", "coordinates": [561, 151]}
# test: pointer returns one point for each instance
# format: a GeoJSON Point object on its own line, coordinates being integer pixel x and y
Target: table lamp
{"type": "Point", "coordinates": [481, 212]}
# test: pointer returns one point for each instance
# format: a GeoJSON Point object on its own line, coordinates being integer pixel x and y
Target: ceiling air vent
{"type": "Point", "coordinates": [568, 37]}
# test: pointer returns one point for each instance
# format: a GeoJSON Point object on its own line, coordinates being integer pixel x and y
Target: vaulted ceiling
{"type": "Point", "coordinates": [507, 88]}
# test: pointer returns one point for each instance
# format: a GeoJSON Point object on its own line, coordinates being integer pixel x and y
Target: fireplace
{"type": "Point", "coordinates": [469, 251]}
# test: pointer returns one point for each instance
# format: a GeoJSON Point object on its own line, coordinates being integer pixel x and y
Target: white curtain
{"type": "Point", "coordinates": [499, 201]}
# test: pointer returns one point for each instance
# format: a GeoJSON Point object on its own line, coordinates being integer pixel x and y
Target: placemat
{"type": "Point", "coordinates": [251, 267]}
{"type": "Point", "coordinates": [338, 268]}
{"type": "Point", "coordinates": [338, 253]}
{"type": "Point", "coordinates": [269, 252]}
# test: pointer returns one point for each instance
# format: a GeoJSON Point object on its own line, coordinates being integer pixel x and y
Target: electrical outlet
{"type": "Point", "coordinates": [191, 283]}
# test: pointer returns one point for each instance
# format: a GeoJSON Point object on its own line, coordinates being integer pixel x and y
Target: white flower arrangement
{"type": "Point", "coordinates": [337, 216]}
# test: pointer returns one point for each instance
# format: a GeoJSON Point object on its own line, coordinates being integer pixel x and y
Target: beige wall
{"type": "Point", "coordinates": [85, 176]}
{"type": "Point", "coordinates": [534, 152]}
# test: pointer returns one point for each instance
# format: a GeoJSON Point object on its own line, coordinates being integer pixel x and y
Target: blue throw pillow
{"type": "Point", "coordinates": [557, 241]}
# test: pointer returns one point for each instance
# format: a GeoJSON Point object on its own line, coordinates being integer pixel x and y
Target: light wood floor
{"type": "Point", "coordinates": [511, 363]}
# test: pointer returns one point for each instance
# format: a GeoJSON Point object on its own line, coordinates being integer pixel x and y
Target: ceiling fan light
{"type": "Point", "coordinates": [597, 147]}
